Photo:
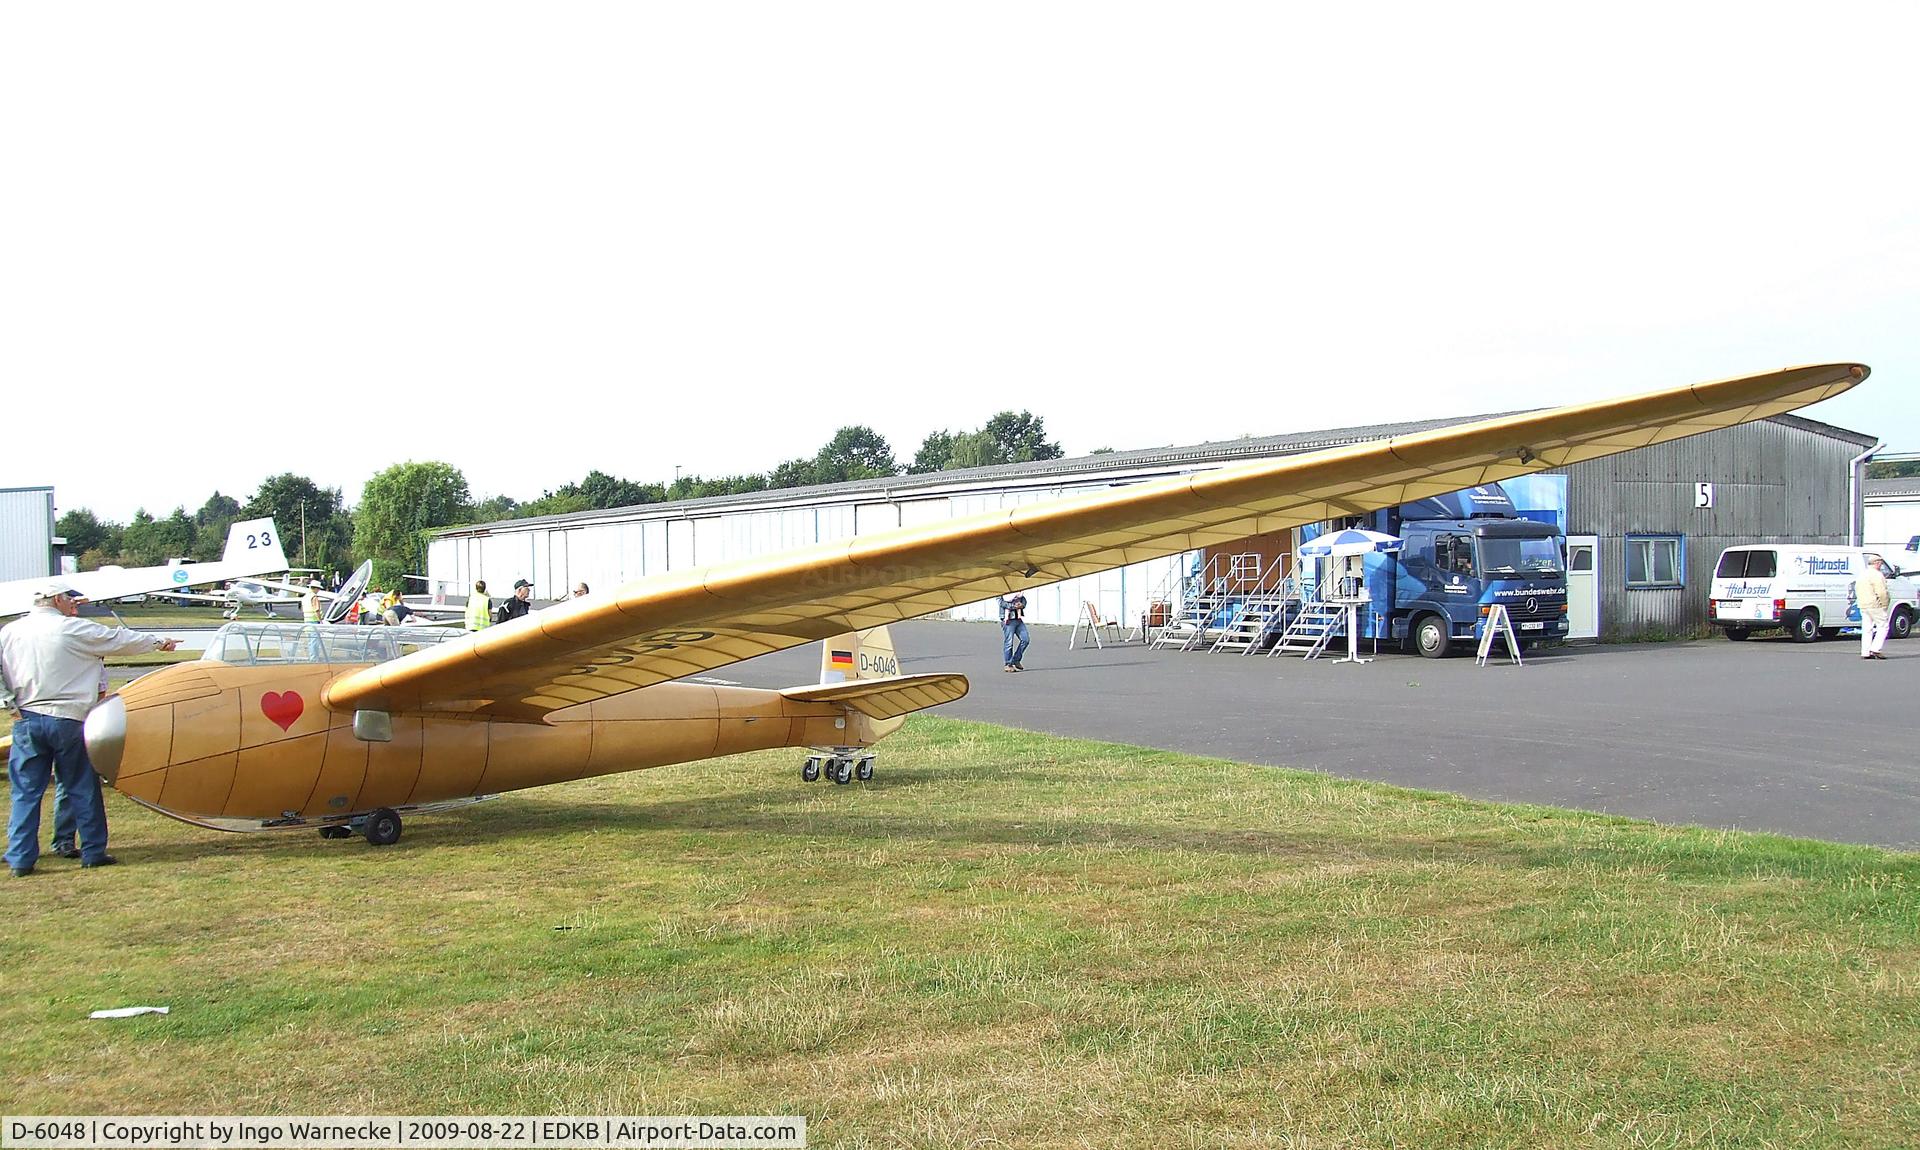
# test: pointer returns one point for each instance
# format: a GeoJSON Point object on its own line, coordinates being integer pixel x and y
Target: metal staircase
{"type": "Point", "coordinates": [1208, 599]}
{"type": "Point", "coordinates": [1262, 611]}
{"type": "Point", "coordinates": [1314, 625]}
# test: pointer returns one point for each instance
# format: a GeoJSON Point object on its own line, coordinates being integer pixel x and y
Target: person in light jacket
{"type": "Point", "coordinates": [50, 664]}
{"type": "Point", "coordinates": [1876, 609]}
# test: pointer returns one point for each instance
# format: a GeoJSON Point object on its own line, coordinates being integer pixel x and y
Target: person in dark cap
{"type": "Point", "coordinates": [517, 606]}
{"type": "Point", "coordinates": [51, 661]}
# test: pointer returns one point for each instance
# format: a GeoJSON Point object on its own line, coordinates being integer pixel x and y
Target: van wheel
{"type": "Point", "coordinates": [1805, 627]}
{"type": "Point", "coordinates": [1737, 633]}
{"type": "Point", "coordinates": [1901, 625]}
{"type": "Point", "coordinates": [1430, 637]}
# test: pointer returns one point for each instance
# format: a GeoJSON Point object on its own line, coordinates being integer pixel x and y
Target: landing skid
{"type": "Point", "coordinates": [841, 764]}
{"type": "Point", "coordinates": [381, 826]}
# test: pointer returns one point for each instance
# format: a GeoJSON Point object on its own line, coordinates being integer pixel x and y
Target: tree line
{"type": "Point", "coordinates": [400, 507]}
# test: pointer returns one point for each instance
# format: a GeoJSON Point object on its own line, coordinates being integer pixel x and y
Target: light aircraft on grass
{"type": "Point", "coordinates": [348, 728]}
{"type": "Point", "coordinates": [268, 594]}
{"type": "Point", "coordinates": [253, 548]}
{"type": "Point", "coordinates": [243, 593]}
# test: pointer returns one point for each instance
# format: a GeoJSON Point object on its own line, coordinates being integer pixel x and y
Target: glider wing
{"type": "Point", "coordinates": [686, 622]}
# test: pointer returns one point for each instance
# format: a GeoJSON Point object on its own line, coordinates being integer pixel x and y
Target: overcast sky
{"type": "Point", "coordinates": [531, 240]}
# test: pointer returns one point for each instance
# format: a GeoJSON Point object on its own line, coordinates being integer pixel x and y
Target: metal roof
{"type": "Point", "coordinates": [1892, 488]}
{"type": "Point", "coordinates": [1114, 464]}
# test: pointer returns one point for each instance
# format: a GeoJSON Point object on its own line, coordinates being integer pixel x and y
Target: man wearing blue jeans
{"type": "Point", "coordinates": [65, 826]}
{"type": "Point", "coordinates": [50, 663]}
{"type": "Point", "coordinates": [1013, 630]}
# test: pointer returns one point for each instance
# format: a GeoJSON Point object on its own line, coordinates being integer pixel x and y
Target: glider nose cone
{"type": "Point", "coordinates": [106, 735]}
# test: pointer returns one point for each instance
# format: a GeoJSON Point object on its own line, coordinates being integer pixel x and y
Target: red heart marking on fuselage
{"type": "Point", "coordinates": [283, 708]}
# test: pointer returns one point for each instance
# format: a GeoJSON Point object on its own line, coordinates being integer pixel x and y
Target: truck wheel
{"type": "Point", "coordinates": [1430, 637]}
{"type": "Point", "coordinates": [1737, 633]}
{"type": "Point", "coordinates": [1901, 625]}
{"type": "Point", "coordinates": [1805, 627]}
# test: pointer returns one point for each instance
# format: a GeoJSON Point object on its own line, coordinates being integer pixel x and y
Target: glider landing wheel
{"type": "Point", "coordinates": [843, 771]}
{"type": "Point", "coordinates": [336, 832]}
{"type": "Point", "coordinates": [811, 772]}
{"type": "Point", "coordinates": [863, 769]}
{"type": "Point", "coordinates": [383, 828]}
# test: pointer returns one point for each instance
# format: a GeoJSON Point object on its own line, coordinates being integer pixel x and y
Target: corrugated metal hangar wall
{"type": "Point", "coordinates": [1782, 479]}
{"type": "Point", "coordinates": [26, 533]}
{"type": "Point", "coordinates": [677, 537]}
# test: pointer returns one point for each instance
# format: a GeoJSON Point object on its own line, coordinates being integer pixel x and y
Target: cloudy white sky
{"type": "Point", "coordinates": [239, 239]}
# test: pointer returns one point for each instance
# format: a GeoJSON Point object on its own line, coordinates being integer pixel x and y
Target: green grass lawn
{"type": "Point", "coordinates": [154, 613]}
{"type": "Point", "coordinates": [1005, 940]}
{"type": "Point", "coordinates": [153, 659]}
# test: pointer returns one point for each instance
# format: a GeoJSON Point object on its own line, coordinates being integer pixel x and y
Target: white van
{"type": "Point", "coordinates": [1806, 589]}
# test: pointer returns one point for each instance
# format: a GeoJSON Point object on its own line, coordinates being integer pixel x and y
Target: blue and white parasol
{"type": "Point", "coordinates": [1351, 541]}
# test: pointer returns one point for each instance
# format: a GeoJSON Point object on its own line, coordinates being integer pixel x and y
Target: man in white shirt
{"type": "Point", "coordinates": [51, 660]}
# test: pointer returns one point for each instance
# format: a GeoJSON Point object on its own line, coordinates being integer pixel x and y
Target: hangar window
{"type": "Point", "coordinates": [1656, 561]}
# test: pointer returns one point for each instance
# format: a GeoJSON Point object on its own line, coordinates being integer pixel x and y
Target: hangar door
{"type": "Point", "coordinates": [1583, 587]}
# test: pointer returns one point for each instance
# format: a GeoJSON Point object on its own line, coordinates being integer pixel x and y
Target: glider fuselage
{"type": "Point", "coordinates": [240, 747]}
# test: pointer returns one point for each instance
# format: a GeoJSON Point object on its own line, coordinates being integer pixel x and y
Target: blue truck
{"type": "Point", "coordinates": [1466, 551]}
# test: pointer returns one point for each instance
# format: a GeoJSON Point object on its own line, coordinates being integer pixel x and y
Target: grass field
{"type": "Point", "coordinates": [155, 613]}
{"type": "Point", "coordinates": [1003, 940]}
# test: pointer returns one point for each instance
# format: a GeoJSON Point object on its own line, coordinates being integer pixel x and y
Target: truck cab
{"type": "Point", "coordinates": [1465, 552]}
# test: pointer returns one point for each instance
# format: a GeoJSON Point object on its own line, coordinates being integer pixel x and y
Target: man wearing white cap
{"type": "Point", "coordinates": [51, 661]}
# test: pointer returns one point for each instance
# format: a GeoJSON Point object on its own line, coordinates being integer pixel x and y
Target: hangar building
{"type": "Point", "coordinates": [1893, 518]}
{"type": "Point", "coordinates": [27, 542]}
{"type": "Point", "coordinates": [1644, 528]}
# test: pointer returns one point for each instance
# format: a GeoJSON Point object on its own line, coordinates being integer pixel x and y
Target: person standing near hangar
{"type": "Point", "coordinates": [479, 607]}
{"type": "Point", "coordinates": [1013, 630]}
{"type": "Point", "coordinates": [1876, 609]}
{"type": "Point", "coordinates": [517, 606]}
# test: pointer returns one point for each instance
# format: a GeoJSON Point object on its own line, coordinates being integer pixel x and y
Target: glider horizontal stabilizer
{"type": "Point", "coordinates": [885, 698]}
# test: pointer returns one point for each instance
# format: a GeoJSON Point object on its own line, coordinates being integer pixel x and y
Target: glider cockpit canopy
{"type": "Point", "coordinates": [278, 644]}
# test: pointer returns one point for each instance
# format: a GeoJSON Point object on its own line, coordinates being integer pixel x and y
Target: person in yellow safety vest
{"type": "Point", "coordinates": [310, 602]}
{"type": "Point", "coordinates": [479, 607]}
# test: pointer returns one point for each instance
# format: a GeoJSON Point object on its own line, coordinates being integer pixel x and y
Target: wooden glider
{"type": "Point", "coordinates": [585, 688]}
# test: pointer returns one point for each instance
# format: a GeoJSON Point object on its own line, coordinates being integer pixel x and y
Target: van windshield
{"type": "Point", "coordinates": [1519, 556]}
{"type": "Point", "coordinates": [1746, 565]}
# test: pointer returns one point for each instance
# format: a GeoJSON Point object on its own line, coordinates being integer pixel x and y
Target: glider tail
{"type": "Point", "coordinates": [858, 655]}
{"type": "Point", "coordinates": [862, 655]}
{"type": "Point", "coordinates": [257, 544]}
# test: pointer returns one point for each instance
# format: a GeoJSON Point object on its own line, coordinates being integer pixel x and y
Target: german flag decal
{"type": "Point", "coordinates": [841, 659]}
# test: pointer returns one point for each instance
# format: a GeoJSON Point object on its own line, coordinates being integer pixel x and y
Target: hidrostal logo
{"type": "Point", "coordinates": [1823, 565]}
